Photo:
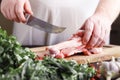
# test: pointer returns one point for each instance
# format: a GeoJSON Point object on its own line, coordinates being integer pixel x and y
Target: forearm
{"type": "Point", "coordinates": [108, 8]}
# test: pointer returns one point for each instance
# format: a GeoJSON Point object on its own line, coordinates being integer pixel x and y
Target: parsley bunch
{"type": "Point", "coordinates": [12, 55]}
{"type": "Point", "coordinates": [18, 63]}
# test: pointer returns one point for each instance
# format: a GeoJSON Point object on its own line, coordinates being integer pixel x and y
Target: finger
{"type": "Point", "coordinates": [107, 34]}
{"type": "Point", "coordinates": [12, 14]}
{"type": "Point", "coordinates": [16, 19]}
{"type": "Point", "coordinates": [2, 9]}
{"type": "Point", "coordinates": [9, 15]}
{"type": "Point", "coordinates": [100, 40]}
{"type": "Point", "coordinates": [96, 50]}
{"type": "Point", "coordinates": [98, 43]}
{"type": "Point", "coordinates": [19, 11]}
{"type": "Point", "coordinates": [5, 8]}
{"type": "Point", "coordinates": [7, 12]}
{"type": "Point", "coordinates": [95, 36]}
{"type": "Point", "coordinates": [27, 8]}
{"type": "Point", "coordinates": [86, 52]}
{"type": "Point", "coordinates": [88, 31]}
{"type": "Point", "coordinates": [101, 44]}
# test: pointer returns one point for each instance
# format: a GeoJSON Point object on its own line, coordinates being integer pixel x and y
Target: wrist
{"type": "Point", "coordinates": [109, 9]}
{"type": "Point", "coordinates": [106, 15]}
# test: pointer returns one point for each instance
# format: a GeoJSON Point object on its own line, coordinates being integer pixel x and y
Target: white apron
{"type": "Point", "coordinates": [66, 13]}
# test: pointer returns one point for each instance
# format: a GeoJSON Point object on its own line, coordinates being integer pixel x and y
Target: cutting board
{"type": "Point", "coordinates": [108, 52]}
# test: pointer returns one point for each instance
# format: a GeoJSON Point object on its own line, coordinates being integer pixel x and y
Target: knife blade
{"type": "Point", "coordinates": [42, 25]}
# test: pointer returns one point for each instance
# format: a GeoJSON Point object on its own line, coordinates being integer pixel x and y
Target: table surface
{"type": "Point", "coordinates": [107, 54]}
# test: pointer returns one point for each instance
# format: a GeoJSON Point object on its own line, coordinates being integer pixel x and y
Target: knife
{"type": "Point", "coordinates": [42, 25]}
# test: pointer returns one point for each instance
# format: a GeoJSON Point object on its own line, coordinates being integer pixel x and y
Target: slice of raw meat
{"type": "Point", "coordinates": [70, 47]}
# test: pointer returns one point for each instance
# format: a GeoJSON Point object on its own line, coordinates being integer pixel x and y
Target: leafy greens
{"type": "Point", "coordinates": [17, 63]}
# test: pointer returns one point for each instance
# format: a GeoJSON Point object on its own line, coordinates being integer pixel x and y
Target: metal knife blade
{"type": "Point", "coordinates": [42, 25]}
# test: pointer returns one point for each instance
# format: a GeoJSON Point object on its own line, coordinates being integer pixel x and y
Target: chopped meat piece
{"type": "Point", "coordinates": [70, 47]}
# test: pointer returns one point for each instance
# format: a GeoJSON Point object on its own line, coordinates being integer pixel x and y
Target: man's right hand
{"type": "Point", "coordinates": [14, 9]}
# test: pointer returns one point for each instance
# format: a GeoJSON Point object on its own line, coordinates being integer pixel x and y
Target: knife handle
{"type": "Point", "coordinates": [27, 16]}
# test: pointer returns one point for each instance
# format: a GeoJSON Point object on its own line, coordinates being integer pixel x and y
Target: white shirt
{"type": "Point", "coordinates": [66, 13]}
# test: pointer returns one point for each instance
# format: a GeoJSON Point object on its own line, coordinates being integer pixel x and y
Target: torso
{"type": "Point", "coordinates": [67, 13]}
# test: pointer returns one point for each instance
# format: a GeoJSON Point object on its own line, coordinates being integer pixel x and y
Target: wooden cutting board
{"type": "Point", "coordinates": [108, 52]}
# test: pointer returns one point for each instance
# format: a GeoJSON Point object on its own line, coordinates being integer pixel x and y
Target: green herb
{"type": "Point", "coordinates": [17, 63]}
{"type": "Point", "coordinates": [11, 53]}
{"type": "Point", "coordinates": [50, 69]}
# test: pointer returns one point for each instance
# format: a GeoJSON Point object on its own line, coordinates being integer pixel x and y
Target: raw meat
{"type": "Point", "coordinates": [70, 47]}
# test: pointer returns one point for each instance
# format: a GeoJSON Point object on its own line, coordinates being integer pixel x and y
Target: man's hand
{"type": "Point", "coordinates": [14, 9]}
{"type": "Point", "coordinates": [97, 28]}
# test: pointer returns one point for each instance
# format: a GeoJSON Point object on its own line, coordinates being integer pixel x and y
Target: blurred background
{"type": "Point", "coordinates": [114, 36]}
{"type": "Point", "coordinates": [6, 24]}
{"type": "Point", "coordinates": [115, 32]}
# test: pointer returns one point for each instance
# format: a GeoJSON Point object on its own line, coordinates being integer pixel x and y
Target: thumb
{"type": "Point", "coordinates": [27, 8]}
